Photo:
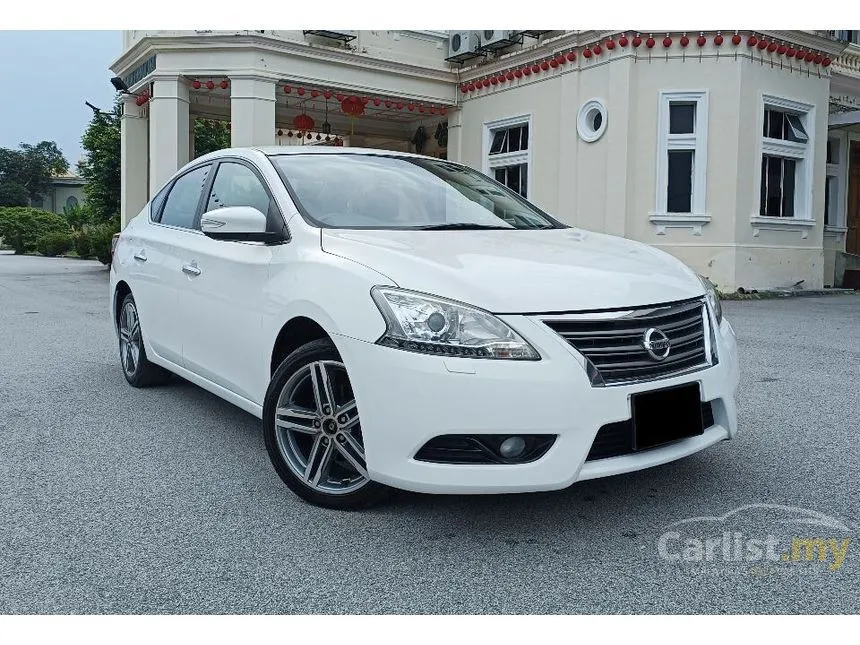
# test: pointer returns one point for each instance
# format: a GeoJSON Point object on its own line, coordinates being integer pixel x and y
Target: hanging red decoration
{"type": "Point", "coordinates": [818, 58]}
{"type": "Point", "coordinates": [667, 42]}
{"type": "Point", "coordinates": [494, 81]}
{"type": "Point", "coordinates": [736, 40]}
{"type": "Point", "coordinates": [536, 68]}
{"type": "Point", "coordinates": [501, 78]}
{"type": "Point", "coordinates": [471, 88]}
{"type": "Point", "coordinates": [327, 94]}
{"type": "Point", "coordinates": [399, 106]}
{"type": "Point", "coordinates": [637, 41]}
{"type": "Point", "coordinates": [210, 85]}
{"type": "Point", "coordinates": [544, 65]}
{"type": "Point", "coordinates": [560, 59]}
{"type": "Point", "coordinates": [762, 44]}
{"type": "Point", "coordinates": [376, 102]}
{"type": "Point", "coordinates": [623, 41]}
{"type": "Point", "coordinates": [351, 106]}
{"type": "Point", "coordinates": [781, 49]}
{"type": "Point", "coordinates": [421, 109]}
{"type": "Point", "coordinates": [518, 73]}
{"type": "Point", "coordinates": [314, 93]}
{"type": "Point", "coordinates": [684, 41]}
{"type": "Point", "coordinates": [509, 76]}
{"type": "Point", "coordinates": [790, 52]}
{"type": "Point", "coordinates": [411, 107]}
{"type": "Point", "coordinates": [571, 56]}
{"type": "Point", "coordinates": [650, 43]}
{"type": "Point", "coordinates": [597, 49]}
{"type": "Point", "coordinates": [610, 44]}
{"type": "Point", "coordinates": [339, 97]}
{"type": "Point", "coordinates": [718, 40]}
{"type": "Point", "coordinates": [223, 85]}
{"type": "Point", "coordinates": [751, 41]}
{"type": "Point", "coordinates": [195, 85]}
{"type": "Point", "coordinates": [464, 89]}
{"type": "Point", "coordinates": [364, 100]}
{"type": "Point", "coordinates": [301, 91]}
{"type": "Point", "coordinates": [809, 57]}
{"type": "Point", "coordinates": [303, 122]}
{"type": "Point", "coordinates": [527, 71]}
{"type": "Point", "coordinates": [432, 109]}
{"type": "Point", "coordinates": [826, 62]}
{"type": "Point", "coordinates": [388, 102]}
{"type": "Point", "coordinates": [587, 53]}
{"type": "Point", "coordinates": [701, 41]}
{"type": "Point", "coordinates": [287, 89]}
{"type": "Point", "coordinates": [772, 47]}
{"type": "Point", "coordinates": [553, 63]}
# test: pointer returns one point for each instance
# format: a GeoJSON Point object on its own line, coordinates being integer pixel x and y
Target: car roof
{"type": "Point", "coordinates": [272, 151]}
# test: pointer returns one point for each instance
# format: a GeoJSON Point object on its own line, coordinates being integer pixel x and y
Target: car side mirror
{"type": "Point", "coordinates": [238, 224]}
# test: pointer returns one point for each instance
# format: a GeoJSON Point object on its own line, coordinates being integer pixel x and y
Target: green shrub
{"type": "Point", "coordinates": [83, 243]}
{"type": "Point", "coordinates": [102, 236]}
{"type": "Point", "coordinates": [21, 228]}
{"type": "Point", "coordinates": [78, 216]}
{"type": "Point", "coordinates": [54, 244]}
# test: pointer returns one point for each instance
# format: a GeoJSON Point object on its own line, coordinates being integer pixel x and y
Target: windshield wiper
{"type": "Point", "coordinates": [462, 226]}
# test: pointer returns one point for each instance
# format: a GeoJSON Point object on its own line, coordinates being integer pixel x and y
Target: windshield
{"type": "Point", "coordinates": [374, 191]}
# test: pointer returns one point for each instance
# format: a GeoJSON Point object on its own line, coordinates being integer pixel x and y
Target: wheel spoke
{"type": "Point", "coordinates": [124, 335]}
{"type": "Point", "coordinates": [319, 460]}
{"type": "Point", "coordinates": [296, 419]}
{"type": "Point", "coordinates": [323, 395]}
{"type": "Point", "coordinates": [353, 453]}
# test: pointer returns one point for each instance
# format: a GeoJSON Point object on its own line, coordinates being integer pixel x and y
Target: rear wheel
{"type": "Point", "coordinates": [313, 431]}
{"type": "Point", "coordinates": [138, 371]}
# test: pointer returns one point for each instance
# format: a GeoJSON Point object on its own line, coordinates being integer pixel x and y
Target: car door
{"type": "Point", "coordinates": [221, 306]}
{"type": "Point", "coordinates": [172, 231]}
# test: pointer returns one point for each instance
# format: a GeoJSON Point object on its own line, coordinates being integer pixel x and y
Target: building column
{"type": "Point", "coordinates": [134, 160]}
{"type": "Point", "coordinates": [455, 134]}
{"type": "Point", "coordinates": [252, 111]}
{"type": "Point", "coordinates": [191, 152]}
{"type": "Point", "coordinates": [168, 130]}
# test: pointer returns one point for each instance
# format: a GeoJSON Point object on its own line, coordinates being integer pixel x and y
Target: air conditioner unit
{"type": "Point", "coordinates": [462, 45]}
{"type": "Point", "coordinates": [493, 39]}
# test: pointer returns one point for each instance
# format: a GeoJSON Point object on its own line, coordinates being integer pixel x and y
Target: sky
{"type": "Point", "coordinates": [45, 77]}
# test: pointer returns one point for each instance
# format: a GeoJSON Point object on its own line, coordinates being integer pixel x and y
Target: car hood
{"type": "Point", "coordinates": [521, 271]}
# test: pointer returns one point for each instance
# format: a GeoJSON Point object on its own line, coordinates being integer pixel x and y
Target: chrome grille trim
{"type": "Point", "coordinates": [611, 342]}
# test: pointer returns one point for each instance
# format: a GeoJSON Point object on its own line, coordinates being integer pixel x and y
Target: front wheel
{"type": "Point", "coordinates": [313, 432]}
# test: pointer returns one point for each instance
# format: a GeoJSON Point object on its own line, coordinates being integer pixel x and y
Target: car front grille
{"type": "Point", "coordinates": [616, 439]}
{"type": "Point", "coordinates": [613, 343]}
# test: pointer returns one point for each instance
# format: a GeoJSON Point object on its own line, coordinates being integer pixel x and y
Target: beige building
{"type": "Point", "coordinates": [738, 152]}
{"type": "Point", "coordinates": [66, 191]}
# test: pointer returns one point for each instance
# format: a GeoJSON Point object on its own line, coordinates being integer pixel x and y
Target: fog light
{"type": "Point", "coordinates": [512, 447]}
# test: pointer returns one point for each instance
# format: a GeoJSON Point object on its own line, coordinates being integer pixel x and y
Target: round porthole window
{"type": "Point", "coordinates": [591, 121]}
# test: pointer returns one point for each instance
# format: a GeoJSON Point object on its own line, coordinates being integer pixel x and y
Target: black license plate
{"type": "Point", "coordinates": [661, 416]}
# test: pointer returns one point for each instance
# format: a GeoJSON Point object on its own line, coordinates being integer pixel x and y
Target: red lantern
{"type": "Point", "coordinates": [571, 56]}
{"type": "Point", "coordinates": [494, 81]}
{"type": "Point", "coordinates": [762, 44]}
{"type": "Point", "coordinates": [139, 101]}
{"type": "Point", "coordinates": [751, 41]}
{"type": "Point", "coordinates": [471, 88]}
{"type": "Point", "coordinates": [684, 41]}
{"type": "Point", "coordinates": [536, 68]}
{"type": "Point", "coordinates": [667, 42]}
{"type": "Point", "coordinates": [559, 59]}
{"type": "Point", "coordinates": [623, 41]}
{"type": "Point", "coordinates": [553, 63]}
{"type": "Point", "coordinates": [421, 109]}
{"type": "Point", "coordinates": [800, 54]}
{"type": "Point", "coordinates": [287, 89]}
{"type": "Point", "coordinates": [314, 93]}
{"type": "Point", "coordinates": [339, 97]}
{"type": "Point", "coordinates": [509, 76]}
{"type": "Point", "coordinates": [736, 40]}
{"type": "Point", "coordinates": [301, 91]}
{"type": "Point", "coordinates": [701, 41]}
{"type": "Point", "coordinates": [195, 85]}
{"type": "Point", "coordinates": [826, 62]}
{"type": "Point", "coordinates": [597, 49]}
{"type": "Point", "coordinates": [224, 85]}
{"type": "Point", "coordinates": [303, 122]}
{"type": "Point", "coordinates": [351, 106]}
{"type": "Point", "coordinates": [399, 106]}
{"type": "Point", "coordinates": [587, 53]}
{"type": "Point", "coordinates": [809, 57]}
{"type": "Point", "coordinates": [610, 44]}
{"type": "Point", "coordinates": [790, 52]}
{"type": "Point", "coordinates": [781, 49]}
{"type": "Point", "coordinates": [527, 71]}
{"type": "Point", "coordinates": [544, 65]}
{"type": "Point", "coordinates": [501, 78]}
{"type": "Point", "coordinates": [364, 100]}
{"type": "Point", "coordinates": [464, 89]}
{"type": "Point", "coordinates": [388, 101]}
{"type": "Point", "coordinates": [376, 102]}
{"type": "Point", "coordinates": [210, 85]}
{"type": "Point", "coordinates": [327, 94]}
{"type": "Point", "coordinates": [772, 47]}
{"type": "Point", "coordinates": [518, 73]}
{"type": "Point", "coordinates": [650, 43]}
{"type": "Point", "coordinates": [718, 40]}
{"type": "Point", "coordinates": [411, 107]}
{"type": "Point", "coordinates": [486, 82]}
{"type": "Point", "coordinates": [637, 41]}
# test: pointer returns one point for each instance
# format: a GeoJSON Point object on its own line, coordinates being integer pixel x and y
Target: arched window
{"type": "Point", "coordinates": [71, 201]}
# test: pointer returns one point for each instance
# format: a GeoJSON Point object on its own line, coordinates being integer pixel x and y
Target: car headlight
{"type": "Point", "coordinates": [422, 323]}
{"type": "Point", "coordinates": [713, 298]}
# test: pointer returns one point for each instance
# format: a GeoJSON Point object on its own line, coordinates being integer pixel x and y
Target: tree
{"type": "Point", "coordinates": [31, 167]}
{"type": "Point", "coordinates": [101, 163]}
{"type": "Point", "coordinates": [209, 136]}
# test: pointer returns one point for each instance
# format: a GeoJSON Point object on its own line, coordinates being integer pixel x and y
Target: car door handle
{"type": "Point", "coordinates": [191, 269]}
{"type": "Point", "coordinates": [140, 255]}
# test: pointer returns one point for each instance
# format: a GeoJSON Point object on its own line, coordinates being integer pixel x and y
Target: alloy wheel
{"type": "Point", "coordinates": [129, 338]}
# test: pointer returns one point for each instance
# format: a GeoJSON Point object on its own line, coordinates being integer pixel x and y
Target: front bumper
{"type": "Point", "coordinates": [405, 399]}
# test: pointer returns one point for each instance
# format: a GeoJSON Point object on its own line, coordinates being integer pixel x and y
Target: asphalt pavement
{"type": "Point", "coordinates": [117, 500]}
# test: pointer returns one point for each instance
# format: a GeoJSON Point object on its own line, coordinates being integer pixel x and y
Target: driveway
{"type": "Point", "coordinates": [116, 500]}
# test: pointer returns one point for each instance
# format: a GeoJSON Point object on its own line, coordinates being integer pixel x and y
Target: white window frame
{"type": "Point", "coordinates": [802, 153]}
{"type": "Point", "coordinates": [839, 170]}
{"type": "Point", "coordinates": [490, 163]}
{"type": "Point", "coordinates": [697, 142]}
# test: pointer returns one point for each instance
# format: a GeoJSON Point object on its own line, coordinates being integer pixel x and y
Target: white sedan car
{"type": "Point", "coordinates": [402, 321]}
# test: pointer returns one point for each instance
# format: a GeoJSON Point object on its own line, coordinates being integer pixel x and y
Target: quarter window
{"type": "Point", "coordinates": [507, 159]}
{"type": "Point", "coordinates": [181, 205]}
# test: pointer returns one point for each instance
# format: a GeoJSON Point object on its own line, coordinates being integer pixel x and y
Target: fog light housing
{"type": "Point", "coordinates": [512, 447]}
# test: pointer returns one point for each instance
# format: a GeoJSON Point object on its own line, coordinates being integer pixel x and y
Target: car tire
{"type": "Point", "coordinates": [312, 430]}
{"type": "Point", "coordinates": [136, 367]}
